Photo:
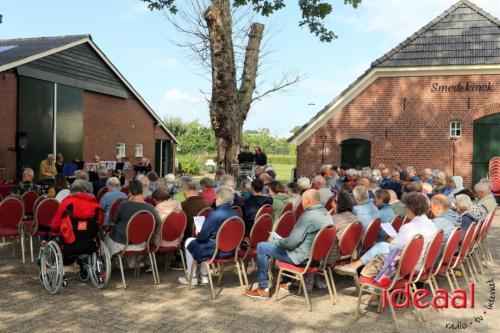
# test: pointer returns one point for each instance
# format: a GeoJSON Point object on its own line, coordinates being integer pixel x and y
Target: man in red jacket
{"type": "Point", "coordinates": [84, 205]}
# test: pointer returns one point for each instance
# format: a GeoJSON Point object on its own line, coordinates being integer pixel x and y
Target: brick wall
{"type": "Point", "coordinates": [8, 112]}
{"type": "Point", "coordinates": [417, 134]}
{"type": "Point", "coordinates": [110, 120]}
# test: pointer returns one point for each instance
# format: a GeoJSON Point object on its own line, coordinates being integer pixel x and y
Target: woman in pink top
{"type": "Point", "coordinates": [207, 192]}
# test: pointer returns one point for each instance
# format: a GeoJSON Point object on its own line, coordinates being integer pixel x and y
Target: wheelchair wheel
{"type": "Point", "coordinates": [52, 267]}
{"type": "Point", "coordinates": [99, 267]}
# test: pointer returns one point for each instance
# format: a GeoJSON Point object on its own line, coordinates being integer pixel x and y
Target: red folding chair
{"type": "Point", "coordinates": [298, 212]}
{"type": "Point", "coordinates": [238, 210]}
{"type": "Point", "coordinates": [12, 213]}
{"type": "Point", "coordinates": [101, 193]}
{"type": "Point", "coordinates": [442, 268]}
{"type": "Point", "coordinates": [1, 197]}
{"type": "Point", "coordinates": [458, 260]}
{"type": "Point", "coordinates": [40, 225]}
{"type": "Point", "coordinates": [430, 257]}
{"type": "Point", "coordinates": [472, 254]}
{"type": "Point", "coordinates": [285, 224]}
{"type": "Point", "coordinates": [265, 209]}
{"type": "Point", "coordinates": [40, 199]}
{"type": "Point", "coordinates": [259, 233]}
{"type": "Point", "coordinates": [29, 198]}
{"type": "Point", "coordinates": [406, 220]}
{"type": "Point", "coordinates": [205, 211]}
{"type": "Point", "coordinates": [348, 244]}
{"type": "Point", "coordinates": [483, 241]}
{"type": "Point", "coordinates": [370, 235]}
{"type": "Point", "coordinates": [397, 222]}
{"type": "Point", "coordinates": [150, 201]}
{"type": "Point", "coordinates": [288, 207]}
{"type": "Point", "coordinates": [329, 203]}
{"type": "Point", "coordinates": [404, 274]}
{"type": "Point", "coordinates": [114, 208]}
{"type": "Point", "coordinates": [172, 229]}
{"type": "Point", "coordinates": [322, 244]}
{"type": "Point", "coordinates": [139, 230]}
{"type": "Point", "coordinates": [124, 189]}
{"type": "Point", "coordinates": [228, 239]}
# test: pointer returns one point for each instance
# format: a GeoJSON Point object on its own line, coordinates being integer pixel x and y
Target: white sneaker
{"type": "Point", "coordinates": [204, 279]}
{"type": "Point", "coordinates": [184, 280]}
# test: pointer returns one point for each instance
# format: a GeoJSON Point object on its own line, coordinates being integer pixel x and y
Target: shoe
{"type": "Point", "coordinates": [84, 274]}
{"type": "Point", "coordinates": [177, 266]}
{"type": "Point", "coordinates": [204, 279]}
{"type": "Point", "coordinates": [64, 282]}
{"type": "Point", "coordinates": [346, 270]}
{"type": "Point", "coordinates": [184, 280]}
{"type": "Point", "coordinates": [149, 269]}
{"type": "Point", "coordinates": [257, 293]}
{"type": "Point", "coordinates": [285, 287]}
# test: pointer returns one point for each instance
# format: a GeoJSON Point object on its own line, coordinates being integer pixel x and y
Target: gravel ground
{"type": "Point", "coordinates": [25, 306]}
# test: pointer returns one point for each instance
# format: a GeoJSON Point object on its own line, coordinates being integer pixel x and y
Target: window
{"type": "Point", "coordinates": [455, 129]}
{"type": "Point", "coordinates": [138, 150]}
{"type": "Point", "coordinates": [120, 150]}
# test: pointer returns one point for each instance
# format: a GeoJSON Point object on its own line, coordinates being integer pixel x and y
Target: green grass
{"type": "Point", "coordinates": [283, 172]}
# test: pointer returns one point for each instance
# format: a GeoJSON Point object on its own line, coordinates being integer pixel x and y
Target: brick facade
{"type": "Point", "coordinates": [8, 112]}
{"type": "Point", "coordinates": [109, 120]}
{"type": "Point", "coordinates": [415, 119]}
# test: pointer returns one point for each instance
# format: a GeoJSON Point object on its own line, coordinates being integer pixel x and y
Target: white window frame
{"type": "Point", "coordinates": [455, 129]}
{"type": "Point", "coordinates": [118, 148]}
{"type": "Point", "coordinates": [141, 146]}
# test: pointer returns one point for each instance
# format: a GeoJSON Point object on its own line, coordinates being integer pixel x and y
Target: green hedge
{"type": "Point", "coordinates": [281, 159]}
{"type": "Point", "coordinates": [190, 164]}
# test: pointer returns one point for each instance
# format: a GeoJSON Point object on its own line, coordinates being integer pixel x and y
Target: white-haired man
{"type": "Point", "coordinates": [48, 168]}
{"type": "Point", "coordinates": [364, 210]}
{"type": "Point", "coordinates": [113, 184]}
{"type": "Point", "coordinates": [439, 181]}
{"type": "Point", "coordinates": [319, 183]}
{"type": "Point", "coordinates": [482, 191]}
{"type": "Point", "coordinates": [304, 184]}
{"type": "Point", "coordinates": [329, 174]}
{"type": "Point", "coordinates": [27, 183]}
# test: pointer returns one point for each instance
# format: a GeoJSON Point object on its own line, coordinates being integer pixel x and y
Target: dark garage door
{"type": "Point", "coordinates": [355, 152]}
{"type": "Point", "coordinates": [486, 144]}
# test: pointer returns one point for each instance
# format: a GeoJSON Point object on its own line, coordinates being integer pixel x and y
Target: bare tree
{"type": "Point", "coordinates": [216, 34]}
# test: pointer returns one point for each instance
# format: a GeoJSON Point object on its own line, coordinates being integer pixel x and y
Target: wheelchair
{"type": "Point", "coordinates": [87, 249]}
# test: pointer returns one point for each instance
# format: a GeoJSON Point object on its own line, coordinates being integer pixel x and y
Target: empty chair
{"type": "Point", "coordinates": [370, 235]}
{"type": "Point", "coordinates": [288, 207]}
{"type": "Point", "coordinates": [11, 216]}
{"type": "Point", "coordinates": [29, 199]}
{"type": "Point", "coordinates": [265, 209]}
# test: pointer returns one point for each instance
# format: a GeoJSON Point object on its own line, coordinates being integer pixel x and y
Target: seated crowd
{"type": "Point", "coordinates": [430, 200]}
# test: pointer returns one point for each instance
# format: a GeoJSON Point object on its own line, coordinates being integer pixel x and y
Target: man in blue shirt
{"type": "Point", "coordinates": [445, 218]}
{"type": "Point", "coordinates": [382, 198]}
{"type": "Point", "coordinates": [364, 210]}
{"type": "Point", "coordinates": [113, 194]}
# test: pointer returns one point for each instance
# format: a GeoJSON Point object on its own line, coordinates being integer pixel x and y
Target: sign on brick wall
{"type": "Point", "coordinates": [462, 87]}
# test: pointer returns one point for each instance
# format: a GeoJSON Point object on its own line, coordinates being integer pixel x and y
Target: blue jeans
{"type": "Point", "coordinates": [379, 248]}
{"type": "Point", "coordinates": [264, 251]}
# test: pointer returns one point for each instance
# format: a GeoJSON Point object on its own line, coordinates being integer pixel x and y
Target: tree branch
{"type": "Point", "coordinates": [281, 87]}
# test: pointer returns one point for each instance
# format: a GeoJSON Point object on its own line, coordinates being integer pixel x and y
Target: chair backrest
{"type": "Point", "coordinates": [114, 208]}
{"type": "Point", "coordinates": [45, 211]}
{"type": "Point", "coordinates": [150, 201]}
{"type": "Point", "coordinates": [432, 252]}
{"type": "Point", "coordinates": [11, 212]}
{"type": "Point", "coordinates": [371, 234]}
{"type": "Point", "coordinates": [285, 224]}
{"type": "Point", "coordinates": [40, 199]}
{"type": "Point", "coordinates": [1, 197]}
{"type": "Point", "coordinates": [329, 203]}
{"type": "Point", "coordinates": [260, 230]}
{"type": "Point", "coordinates": [488, 221]}
{"type": "Point", "coordinates": [140, 227]}
{"type": "Point", "coordinates": [449, 250]}
{"type": "Point", "coordinates": [29, 198]}
{"type": "Point", "coordinates": [406, 220]}
{"type": "Point", "coordinates": [410, 256]}
{"type": "Point", "coordinates": [205, 211]}
{"type": "Point", "coordinates": [124, 189]}
{"type": "Point", "coordinates": [298, 211]}
{"type": "Point", "coordinates": [466, 242]}
{"type": "Point", "coordinates": [323, 243]}
{"type": "Point", "coordinates": [101, 193]}
{"type": "Point", "coordinates": [173, 226]}
{"type": "Point", "coordinates": [265, 209]}
{"type": "Point", "coordinates": [479, 227]}
{"type": "Point", "coordinates": [288, 207]}
{"type": "Point", "coordinates": [350, 239]}
{"type": "Point", "coordinates": [238, 210]}
{"type": "Point", "coordinates": [230, 235]}
{"type": "Point", "coordinates": [397, 222]}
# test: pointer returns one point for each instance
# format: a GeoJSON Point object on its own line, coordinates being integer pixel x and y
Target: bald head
{"type": "Point", "coordinates": [364, 182]}
{"type": "Point", "coordinates": [440, 204]}
{"type": "Point", "coordinates": [310, 198]}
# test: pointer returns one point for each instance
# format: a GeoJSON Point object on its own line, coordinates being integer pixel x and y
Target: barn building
{"type": "Point", "coordinates": [62, 95]}
{"type": "Point", "coordinates": [432, 101]}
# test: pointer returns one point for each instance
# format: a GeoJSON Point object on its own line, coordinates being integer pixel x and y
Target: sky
{"type": "Point", "coordinates": [143, 45]}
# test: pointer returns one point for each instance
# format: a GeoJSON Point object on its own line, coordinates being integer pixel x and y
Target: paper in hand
{"type": "Point", "coordinates": [275, 235]}
{"type": "Point", "coordinates": [198, 222]}
{"type": "Point", "coordinates": [389, 230]}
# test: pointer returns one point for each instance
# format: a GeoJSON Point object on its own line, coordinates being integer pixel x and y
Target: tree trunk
{"type": "Point", "coordinates": [229, 105]}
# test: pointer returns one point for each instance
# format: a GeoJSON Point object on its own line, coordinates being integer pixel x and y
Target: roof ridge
{"type": "Point", "coordinates": [46, 37]}
{"type": "Point", "coordinates": [429, 25]}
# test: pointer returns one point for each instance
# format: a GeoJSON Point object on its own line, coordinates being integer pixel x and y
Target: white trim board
{"type": "Point", "coordinates": [339, 103]}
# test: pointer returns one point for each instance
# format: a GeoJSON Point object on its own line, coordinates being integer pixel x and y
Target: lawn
{"type": "Point", "coordinates": [283, 172]}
